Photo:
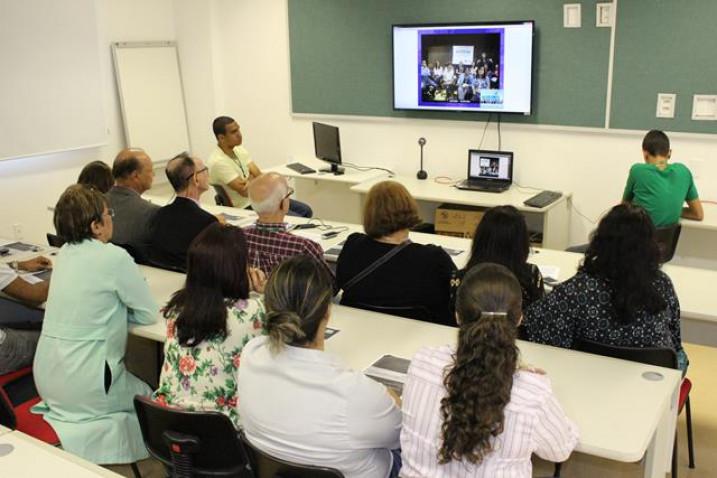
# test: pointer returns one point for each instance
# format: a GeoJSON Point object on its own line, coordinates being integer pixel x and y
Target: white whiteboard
{"type": "Point", "coordinates": [149, 83]}
{"type": "Point", "coordinates": [50, 81]}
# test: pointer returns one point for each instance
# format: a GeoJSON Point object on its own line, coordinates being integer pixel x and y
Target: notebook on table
{"type": "Point", "coordinates": [489, 171]}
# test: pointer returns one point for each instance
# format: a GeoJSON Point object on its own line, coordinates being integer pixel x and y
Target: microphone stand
{"type": "Point", "coordinates": [421, 174]}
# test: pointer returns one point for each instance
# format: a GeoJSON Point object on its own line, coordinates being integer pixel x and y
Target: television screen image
{"type": "Point", "coordinates": [463, 67]}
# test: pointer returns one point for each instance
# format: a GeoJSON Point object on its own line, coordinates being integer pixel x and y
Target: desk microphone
{"type": "Point", "coordinates": [421, 174]}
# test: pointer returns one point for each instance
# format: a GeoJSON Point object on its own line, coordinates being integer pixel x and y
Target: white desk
{"type": "Point", "coordinates": [597, 392]}
{"type": "Point", "coordinates": [328, 194]}
{"type": "Point", "coordinates": [31, 458]}
{"type": "Point", "coordinates": [554, 218]}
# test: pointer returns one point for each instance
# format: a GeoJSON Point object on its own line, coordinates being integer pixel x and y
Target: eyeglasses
{"type": "Point", "coordinates": [205, 168]}
{"type": "Point", "coordinates": [110, 212]}
{"type": "Point", "coordinates": [291, 191]}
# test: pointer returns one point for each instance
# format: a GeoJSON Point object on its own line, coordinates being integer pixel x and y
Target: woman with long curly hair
{"type": "Point", "coordinates": [470, 409]}
{"type": "Point", "coordinates": [619, 295]}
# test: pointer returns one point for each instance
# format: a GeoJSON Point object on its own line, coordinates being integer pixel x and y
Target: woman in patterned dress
{"type": "Point", "coordinates": [209, 322]}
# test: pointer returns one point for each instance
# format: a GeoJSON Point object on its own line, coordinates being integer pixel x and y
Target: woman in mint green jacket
{"type": "Point", "coordinates": [96, 290]}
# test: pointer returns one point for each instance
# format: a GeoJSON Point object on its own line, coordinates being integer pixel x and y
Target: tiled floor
{"type": "Point", "coordinates": [704, 415]}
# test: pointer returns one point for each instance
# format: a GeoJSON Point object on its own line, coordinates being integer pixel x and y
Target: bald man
{"type": "Point", "coordinates": [177, 224]}
{"type": "Point", "coordinates": [133, 174]}
{"type": "Point", "coordinates": [268, 240]}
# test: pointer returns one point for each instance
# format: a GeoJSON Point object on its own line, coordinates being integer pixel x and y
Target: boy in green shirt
{"type": "Point", "coordinates": [661, 188]}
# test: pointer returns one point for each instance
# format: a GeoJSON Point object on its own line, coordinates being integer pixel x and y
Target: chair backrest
{"type": "Point", "coordinates": [54, 240]}
{"type": "Point", "coordinates": [659, 356]}
{"type": "Point", "coordinates": [135, 253]}
{"type": "Point", "coordinates": [417, 312]}
{"type": "Point", "coordinates": [267, 466]}
{"type": "Point", "coordinates": [667, 238]}
{"type": "Point", "coordinates": [167, 432]}
{"type": "Point", "coordinates": [222, 197]}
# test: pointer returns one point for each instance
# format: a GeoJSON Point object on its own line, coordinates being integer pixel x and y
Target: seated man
{"type": "Point", "coordinates": [269, 242]}
{"type": "Point", "coordinates": [133, 174]}
{"type": "Point", "coordinates": [661, 188]}
{"type": "Point", "coordinates": [17, 347]}
{"type": "Point", "coordinates": [231, 167]}
{"type": "Point", "coordinates": [177, 224]}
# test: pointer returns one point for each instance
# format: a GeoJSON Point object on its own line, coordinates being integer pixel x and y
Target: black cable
{"type": "Point", "coordinates": [499, 138]}
{"type": "Point", "coordinates": [485, 128]}
{"type": "Point", "coordinates": [366, 168]}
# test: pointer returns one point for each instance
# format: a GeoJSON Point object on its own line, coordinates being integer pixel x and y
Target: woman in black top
{"type": "Point", "coordinates": [501, 237]}
{"type": "Point", "coordinates": [619, 295]}
{"type": "Point", "coordinates": [415, 282]}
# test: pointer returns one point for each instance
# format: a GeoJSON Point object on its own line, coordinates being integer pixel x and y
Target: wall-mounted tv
{"type": "Point", "coordinates": [463, 67]}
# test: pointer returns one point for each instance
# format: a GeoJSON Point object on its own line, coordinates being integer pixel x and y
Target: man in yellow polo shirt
{"type": "Point", "coordinates": [231, 167]}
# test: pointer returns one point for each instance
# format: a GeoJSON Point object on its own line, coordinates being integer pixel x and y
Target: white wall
{"type": "Point", "coordinates": [591, 164]}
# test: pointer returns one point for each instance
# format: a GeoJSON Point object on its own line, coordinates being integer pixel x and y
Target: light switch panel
{"type": "Point", "coordinates": [571, 15]}
{"type": "Point", "coordinates": [666, 105]}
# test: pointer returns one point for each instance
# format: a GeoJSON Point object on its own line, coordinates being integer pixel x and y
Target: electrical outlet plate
{"type": "Point", "coordinates": [704, 108]}
{"type": "Point", "coordinates": [603, 15]}
{"type": "Point", "coordinates": [571, 15]}
{"type": "Point", "coordinates": [666, 105]}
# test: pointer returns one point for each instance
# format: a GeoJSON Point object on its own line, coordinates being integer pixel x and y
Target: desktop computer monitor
{"type": "Point", "coordinates": [327, 146]}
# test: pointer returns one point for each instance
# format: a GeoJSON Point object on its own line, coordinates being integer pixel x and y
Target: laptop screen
{"type": "Point", "coordinates": [491, 165]}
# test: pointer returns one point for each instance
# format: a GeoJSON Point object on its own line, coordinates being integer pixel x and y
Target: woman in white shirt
{"type": "Point", "coordinates": [302, 404]}
{"type": "Point", "coordinates": [471, 410]}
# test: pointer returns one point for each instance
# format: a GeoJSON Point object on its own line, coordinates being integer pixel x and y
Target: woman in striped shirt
{"type": "Point", "coordinates": [470, 410]}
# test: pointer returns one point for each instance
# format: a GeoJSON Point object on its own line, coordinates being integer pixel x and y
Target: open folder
{"type": "Point", "coordinates": [391, 371]}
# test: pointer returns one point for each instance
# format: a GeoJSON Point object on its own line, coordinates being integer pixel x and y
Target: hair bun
{"type": "Point", "coordinates": [284, 327]}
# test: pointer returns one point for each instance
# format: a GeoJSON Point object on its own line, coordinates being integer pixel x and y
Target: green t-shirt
{"type": "Point", "coordinates": [661, 192]}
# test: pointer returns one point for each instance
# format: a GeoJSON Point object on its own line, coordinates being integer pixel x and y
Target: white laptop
{"type": "Point", "coordinates": [490, 171]}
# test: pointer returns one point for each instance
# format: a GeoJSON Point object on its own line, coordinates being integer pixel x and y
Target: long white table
{"type": "Point", "coordinates": [329, 194]}
{"type": "Point", "coordinates": [31, 458]}
{"type": "Point", "coordinates": [597, 392]}
{"type": "Point", "coordinates": [554, 219]}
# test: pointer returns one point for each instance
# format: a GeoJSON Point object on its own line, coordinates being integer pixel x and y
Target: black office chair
{"type": "Point", "coordinates": [192, 444]}
{"type": "Point", "coordinates": [138, 256]}
{"type": "Point", "coordinates": [55, 240]}
{"type": "Point", "coordinates": [416, 312]}
{"type": "Point", "coordinates": [222, 197]}
{"type": "Point", "coordinates": [266, 466]}
{"type": "Point", "coordinates": [667, 238]}
{"type": "Point", "coordinates": [661, 357]}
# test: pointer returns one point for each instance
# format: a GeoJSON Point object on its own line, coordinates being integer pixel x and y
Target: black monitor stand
{"type": "Point", "coordinates": [335, 169]}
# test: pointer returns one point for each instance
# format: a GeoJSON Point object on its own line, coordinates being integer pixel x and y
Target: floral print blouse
{"type": "Point", "coordinates": [203, 377]}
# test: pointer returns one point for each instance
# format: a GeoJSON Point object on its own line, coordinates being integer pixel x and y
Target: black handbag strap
{"type": "Point", "coordinates": [375, 265]}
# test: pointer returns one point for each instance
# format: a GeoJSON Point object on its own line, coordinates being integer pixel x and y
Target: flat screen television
{"type": "Point", "coordinates": [327, 146]}
{"type": "Point", "coordinates": [484, 67]}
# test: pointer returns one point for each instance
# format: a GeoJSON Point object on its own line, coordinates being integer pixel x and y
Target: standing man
{"type": "Point", "coordinates": [133, 174]}
{"type": "Point", "coordinates": [231, 167]}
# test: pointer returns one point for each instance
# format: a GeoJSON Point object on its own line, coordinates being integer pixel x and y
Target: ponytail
{"type": "Point", "coordinates": [479, 384]}
{"type": "Point", "coordinates": [297, 297]}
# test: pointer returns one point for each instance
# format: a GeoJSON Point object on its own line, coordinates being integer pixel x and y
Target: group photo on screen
{"type": "Point", "coordinates": [460, 68]}
{"type": "Point", "coordinates": [489, 167]}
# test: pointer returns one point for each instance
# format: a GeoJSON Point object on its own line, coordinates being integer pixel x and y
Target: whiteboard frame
{"type": "Point", "coordinates": [149, 44]}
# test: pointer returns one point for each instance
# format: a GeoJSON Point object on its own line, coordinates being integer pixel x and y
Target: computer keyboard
{"type": "Point", "coordinates": [300, 168]}
{"type": "Point", "coordinates": [542, 199]}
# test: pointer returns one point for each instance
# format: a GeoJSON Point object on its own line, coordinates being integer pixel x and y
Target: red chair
{"type": "Point", "coordinates": [17, 396]}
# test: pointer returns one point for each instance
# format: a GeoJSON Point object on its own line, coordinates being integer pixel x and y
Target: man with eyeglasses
{"type": "Point", "coordinates": [268, 240]}
{"type": "Point", "coordinates": [231, 167]}
{"type": "Point", "coordinates": [176, 225]}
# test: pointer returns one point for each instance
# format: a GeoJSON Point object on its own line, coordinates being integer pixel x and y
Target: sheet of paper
{"type": "Point", "coordinates": [550, 272]}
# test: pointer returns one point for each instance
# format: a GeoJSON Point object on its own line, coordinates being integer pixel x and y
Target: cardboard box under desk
{"type": "Point", "coordinates": [457, 220]}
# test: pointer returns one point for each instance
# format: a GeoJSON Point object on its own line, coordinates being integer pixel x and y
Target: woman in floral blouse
{"type": "Point", "coordinates": [209, 322]}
